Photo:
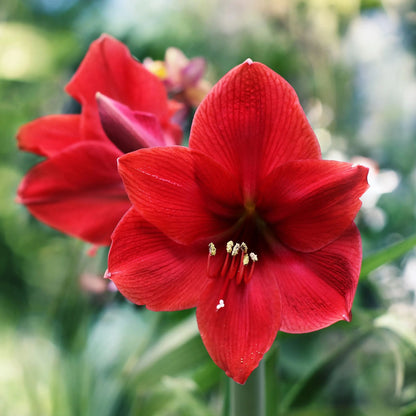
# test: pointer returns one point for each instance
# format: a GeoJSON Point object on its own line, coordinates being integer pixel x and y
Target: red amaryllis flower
{"type": "Point", "coordinates": [248, 224]}
{"type": "Point", "coordinates": [77, 189]}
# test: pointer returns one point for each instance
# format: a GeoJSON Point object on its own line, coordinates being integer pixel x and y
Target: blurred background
{"type": "Point", "coordinates": [68, 346]}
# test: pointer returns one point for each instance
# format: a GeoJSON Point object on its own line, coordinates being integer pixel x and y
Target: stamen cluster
{"type": "Point", "coordinates": [236, 266]}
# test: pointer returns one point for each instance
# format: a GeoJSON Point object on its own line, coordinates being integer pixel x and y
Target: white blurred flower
{"type": "Point", "coordinates": [381, 182]}
{"type": "Point", "coordinates": [409, 277]}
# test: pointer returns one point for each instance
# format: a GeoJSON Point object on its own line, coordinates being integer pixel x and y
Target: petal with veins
{"type": "Point", "coordinates": [78, 191]}
{"type": "Point", "coordinates": [164, 276]}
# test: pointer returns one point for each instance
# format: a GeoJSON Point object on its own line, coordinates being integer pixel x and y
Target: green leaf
{"type": "Point", "coordinates": [409, 410]}
{"type": "Point", "coordinates": [387, 255]}
{"type": "Point", "coordinates": [399, 320]}
{"type": "Point", "coordinates": [177, 351]}
{"type": "Point", "coordinates": [307, 388]}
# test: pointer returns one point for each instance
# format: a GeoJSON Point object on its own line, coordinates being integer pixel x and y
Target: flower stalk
{"type": "Point", "coordinates": [249, 398]}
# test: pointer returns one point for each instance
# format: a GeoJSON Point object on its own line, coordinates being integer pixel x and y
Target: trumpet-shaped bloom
{"type": "Point", "coordinates": [77, 189]}
{"type": "Point", "coordinates": [249, 225]}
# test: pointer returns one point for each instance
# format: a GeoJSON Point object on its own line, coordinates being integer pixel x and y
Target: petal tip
{"type": "Point", "coordinates": [347, 316]}
{"type": "Point", "coordinates": [120, 161]}
{"type": "Point", "coordinates": [363, 172]}
{"type": "Point", "coordinates": [236, 376]}
{"type": "Point", "coordinates": [105, 37]}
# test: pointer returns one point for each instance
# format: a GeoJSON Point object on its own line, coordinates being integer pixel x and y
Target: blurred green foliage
{"type": "Point", "coordinates": [70, 347]}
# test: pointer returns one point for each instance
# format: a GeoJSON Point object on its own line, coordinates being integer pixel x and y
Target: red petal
{"type": "Point", "coordinates": [128, 130]}
{"type": "Point", "coordinates": [174, 107]}
{"type": "Point", "coordinates": [310, 203]}
{"type": "Point", "coordinates": [109, 68]}
{"type": "Point", "coordinates": [317, 289]}
{"type": "Point", "coordinates": [78, 192]}
{"type": "Point", "coordinates": [172, 133]}
{"type": "Point", "coordinates": [150, 269]}
{"type": "Point", "coordinates": [252, 122]}
{"type": "Point", "coordinates": [46, 136]}
{"type": "Point", "coordinates": [238, 334]}
{"type": "Point", "coordinates": [181, 192]}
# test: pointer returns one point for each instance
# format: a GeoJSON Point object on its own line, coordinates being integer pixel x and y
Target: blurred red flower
{"type": "Point", "coordinates": [248, 224]}
{"type": "Point", "coordinates": [77, 189]}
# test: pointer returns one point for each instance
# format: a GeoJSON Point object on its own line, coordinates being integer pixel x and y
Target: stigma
{"type": "Point", "coordinates": [238, 265]}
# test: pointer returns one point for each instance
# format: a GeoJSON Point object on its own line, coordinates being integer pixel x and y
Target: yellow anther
{"type": "Point", "coordinates": [235, 249]}
{"type": "Point", "coordinates": [244, 247]}
{"type": "Point", "coordinates": [212, 249]}
{"type": "Point", "coordinates": [230, 246]}
{"type": "Point", "coordinates": [246, 259]}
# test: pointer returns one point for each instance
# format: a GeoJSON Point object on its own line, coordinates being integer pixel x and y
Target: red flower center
{"type": "Point", "coordinates": [238, 264]}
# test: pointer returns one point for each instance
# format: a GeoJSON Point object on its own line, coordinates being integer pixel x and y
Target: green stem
{"type": "Point", "coordinates": [249, 399]}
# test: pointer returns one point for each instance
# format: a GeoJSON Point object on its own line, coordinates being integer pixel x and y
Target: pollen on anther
{"type": "Point", "coordinates": [253, 257]}
{"type": "Point", "coordinates": [244, 247]}
{"type": "Point", "coordinates": [235, 249]}
{"type": "Point", "coordinates": [229, 247]}
{"type": "Point", "coordinates": [246, 259]}
{"type": "Point", "coordinates": [212, 249]}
